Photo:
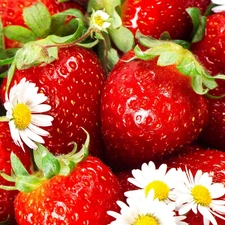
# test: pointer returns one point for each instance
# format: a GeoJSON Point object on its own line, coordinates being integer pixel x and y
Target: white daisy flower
{"type": "Point", "coordinates": [148, 178]}
{"type": "Point", "coordinates": [148, 210]}
{"type": "Point", "coordinates": [220, 6]}
{"type": "Point", "coordinates": [100, 20]}
{"type": "Point", "coordinates": [24, 111]}
{"type": "Point", "coordinates": [200, 194]}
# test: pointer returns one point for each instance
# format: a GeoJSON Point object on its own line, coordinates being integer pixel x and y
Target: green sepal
{"type": "Point", "coordinates": [69, 161]}
{"type": "Point", "coordinates": [22, 180]}
{"type": "Point", "coordinates": [199, 23]}
{"type": "Point", "coordinates": [38, 18]}
{"type": "Point", "coordinates": [17, 166]}
{"type": "Point", "coordinates": [19, 33]}
{"type": "Point", "coordinates": [46, 161]}
{"type": "Point", "coordinates": [170, 53]}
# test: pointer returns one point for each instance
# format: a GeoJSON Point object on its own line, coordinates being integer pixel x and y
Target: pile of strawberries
{"type": "Point", "coordinates": [92, 91]}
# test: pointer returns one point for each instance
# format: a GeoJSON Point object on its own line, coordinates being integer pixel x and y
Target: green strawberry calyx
{"type": "Point", "coordinates": [171, 53]}
{"type": "Point", "coordinates": [47, 166]}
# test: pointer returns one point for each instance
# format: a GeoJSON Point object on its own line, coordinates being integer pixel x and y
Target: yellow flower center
{"type": "Point", "coordinates": [146, 220]}
{"type": "Point", "coordinates": [22, 116]}
{"type": "Point", "coordinates": [201, 195]}
{"type": "Point", "coordinates": [161, 189]}
{"type": "Point", "coordinates": [99, 21]}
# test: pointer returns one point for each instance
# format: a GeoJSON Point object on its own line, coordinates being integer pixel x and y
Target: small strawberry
{"type": "Point", "coordinates": [155, 17]}
{"type": "Point", "coordinates": [73, 90]}
{"type": "Point", "coordinates": [149, 108]}
{"type": "Point", "coordinates": [194, 158]}
{"type": "Point", "coordinates": [12, 12]}
{"type": "Point", "coordinates": [70, 189]}
{"type": "Point", "coordinates": [210, 52]}
{"type": "Point", "coordinates": [6, 147]}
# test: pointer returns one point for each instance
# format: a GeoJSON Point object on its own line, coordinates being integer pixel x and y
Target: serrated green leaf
{"type": "Point", "coordinates": [17, 166]}
{"type": "Point", "coordinates": [70, 12]}
{"type": "Point", "coordinates": [19, 33]}
{"type": "Point", "coordinates": [38, 19]}
{"type": "Point", "coordinates": [70, 38]}
{"type": "Point", "coordinates": [122, 38]}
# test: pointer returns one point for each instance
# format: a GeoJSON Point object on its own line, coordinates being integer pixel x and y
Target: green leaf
{"type": "Point", "coordinates": [19, 33]}
{"type": "Point", "coordinates": [38, 19]}
{"type": "Point", "coordinates": [122, 38]}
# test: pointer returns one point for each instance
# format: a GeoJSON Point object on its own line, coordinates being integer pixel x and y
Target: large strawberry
{"type": "Point", "coordinates": [75, 189]}
{"type": "Point", "coordinates": [73, 85]}
{"type": "Point", "coordinates": [155, 17]}
{"type": "Point", "coordinates": [149, 108]}
{"type": "Point", "coordinates": [11, 12]}
{"type": "Point", "coordinates": [210, 52]}
{"type": "Point", "coordinates": [6, 147]}
{"type": "Point", "coordinates": [194, 158]}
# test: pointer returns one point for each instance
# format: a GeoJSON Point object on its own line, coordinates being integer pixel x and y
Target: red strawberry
{"type": "Point", "coordinates": [11, 12]}
{"type": "Point", "coordinates": [148, 110]}
{"type": "Point", "coordinates": [73, 85]}
{"type": "Point", "coordinates": [210, 52]}
{"type": "Point", "coordinates": [195, 157]}
{"type": "Point", "coordinates": [155, 17]}
{"type": "Point", "coordinates": [6, 147]}
{"type": "Point", "coordinates": [77, 189]}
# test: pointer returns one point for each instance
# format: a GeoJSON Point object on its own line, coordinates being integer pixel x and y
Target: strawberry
{"type": "Point", "coordinates": [150, 108]}
{"type": "Point", "coordinates": [73, 89]}
{"type": "Point", "coordinates": [75, 189]}
{"type": "Point", "coordinates": [11, 12]}
{"type": "Point", "coordinates": [155, 17]}
{"type": "Point", "coordinates": [6, 147]}
{"type": "Point", "coordinates": [195, 157]}
{"type": "Point", "coordinates": [209, 52]}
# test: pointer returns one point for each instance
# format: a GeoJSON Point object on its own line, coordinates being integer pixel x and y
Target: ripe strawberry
{"type": "Point", "coordinates": [195, 157]}
{"type": "Point", "coordinates": [11, 12]}
{"type": "Point", "coordinates": [210, 51]}
{"type": "Point", "coordinates": [155, 17]}
{"type": "Point", "coordinates": [6, 147]}
{"type": "Point", "coordinates": [73, 85]}
{"type": "Point", "coordinates": [149, 110]}
{"type": "Point", "coordinates": [76, 191]}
